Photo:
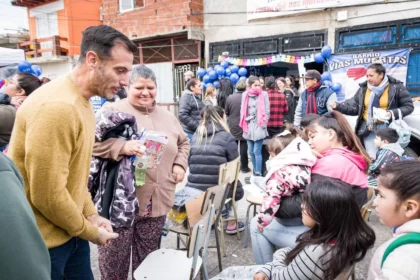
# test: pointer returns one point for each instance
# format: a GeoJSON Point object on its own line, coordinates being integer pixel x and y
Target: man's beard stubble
{"type": "Point", "coordinates": [97, 82]}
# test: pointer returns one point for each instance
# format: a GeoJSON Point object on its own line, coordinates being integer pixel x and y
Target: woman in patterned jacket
{"type": "Point", "coordinates": [289, 172]}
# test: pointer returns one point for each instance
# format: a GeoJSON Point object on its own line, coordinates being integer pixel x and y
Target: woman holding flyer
{"type": "Point", "coordinates": [165, 155]}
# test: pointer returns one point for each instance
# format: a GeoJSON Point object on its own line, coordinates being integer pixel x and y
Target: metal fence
{"type": "Point", "coordinates": [179, 82]}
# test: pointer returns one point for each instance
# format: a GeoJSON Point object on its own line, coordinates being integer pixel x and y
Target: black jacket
{"type": "Point", "coordinates": [233, 113]}
{"type": "Point", "coordinates": [190, 107]}
{"type": "Point", "coordinates": [399, 98]}
{"type": "Point", "coordinates": [204, 159]}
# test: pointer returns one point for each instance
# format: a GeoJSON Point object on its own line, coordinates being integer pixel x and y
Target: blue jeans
{"type": "Point", "coordinates": [190, 135]}
{"type": "Point", "coordinates": [255, 151]}
{"type": "Point", "coordinates": [71, 261]}
{"type": "Point", "coordinates": [282, 235]}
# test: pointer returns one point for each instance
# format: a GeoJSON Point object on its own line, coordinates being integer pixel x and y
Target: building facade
{"type": "Point", "coordinates": [249, 29]}
{"type": "Point", "coordinates": [169, 36]}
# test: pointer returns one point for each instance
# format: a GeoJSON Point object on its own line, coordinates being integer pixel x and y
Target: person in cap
{"type": "Point", "coordinates": [315, 99]}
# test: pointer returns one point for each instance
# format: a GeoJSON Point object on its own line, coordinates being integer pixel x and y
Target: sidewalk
{"type": "Point", "coordinates": [238, 256]}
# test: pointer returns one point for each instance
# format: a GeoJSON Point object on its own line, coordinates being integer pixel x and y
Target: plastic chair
{"type": "Point", "coordinates": [216, 196]}
{"type": "Point", "coordinates": [229, 173]}
{"type": "Point", "coordinates": [179, 265]}
{"type": "Point", "coordinates": [253, 201]}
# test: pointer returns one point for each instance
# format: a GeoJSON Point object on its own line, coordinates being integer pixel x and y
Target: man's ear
{"type": "Point", "coordinates": [92, 60]}
{"type": "Point", "coordinates": [412, 208]}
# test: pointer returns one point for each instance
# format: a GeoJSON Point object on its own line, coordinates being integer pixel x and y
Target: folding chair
{"type": "Point", "coordinates": [367, 207]}
{"type": "Point", "coordinates": [253, 201]}
{"type": "Point", "coordinates": [214, 195]}
{"type": "Point", "coordinates": [229, 173]}
{"type": "Point", "coordinates": [179, 265]}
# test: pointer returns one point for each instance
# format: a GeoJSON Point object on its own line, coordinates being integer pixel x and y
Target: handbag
{"type": "Point", "coordinates": [363, 130]}
{"type": "Point", "coordinates": [402, 128]}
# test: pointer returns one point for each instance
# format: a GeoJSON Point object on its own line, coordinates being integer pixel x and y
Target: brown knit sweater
{"type": "Point", "coordinates": [52, 146]}
{"type": "Point", "coordinates": [160, 184]}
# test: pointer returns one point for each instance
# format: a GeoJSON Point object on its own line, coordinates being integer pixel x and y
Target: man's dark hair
{"type": "Point", "coordinates": [388, 134]}
{"type": "Point", "coordinates": [270, 82]}
{"type": "Point", "coordinates": [101, 39]}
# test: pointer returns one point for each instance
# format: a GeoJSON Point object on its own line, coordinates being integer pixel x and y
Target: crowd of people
{"type": "Point", "coordinates": [68, 178]}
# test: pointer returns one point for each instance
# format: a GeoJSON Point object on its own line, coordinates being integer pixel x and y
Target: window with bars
{"type": "Point", "coordinates": [128, 5]}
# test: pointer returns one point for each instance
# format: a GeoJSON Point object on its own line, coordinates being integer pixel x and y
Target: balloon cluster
{"type": "Point", "coordinates": [325, 53]}
{"type": "Point", "coordinates": [211, 76]}
{"type": "Point", "coordinates": [327, 80]}
{"type": "Point", "coordinates": [26, 67]}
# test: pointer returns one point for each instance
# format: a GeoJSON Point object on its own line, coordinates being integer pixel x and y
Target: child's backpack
{"type": "Point", "coordinates": [409, 238]}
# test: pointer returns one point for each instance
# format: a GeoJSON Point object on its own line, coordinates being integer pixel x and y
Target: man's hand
{"type": "Point", "coordinates": [99, 221]}
{"type": "Point", "coordinates": [260, 276]}
{"type": "Point", "coordinates": [104, 236]}
{"type": "Point", "coordinates": [260, 228]}
{"type": "Point", "coordinates": [178, 172]}
{"type": "Point", "coordinates": [133, 147]}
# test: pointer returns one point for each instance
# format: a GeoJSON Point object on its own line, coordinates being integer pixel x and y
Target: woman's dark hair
{"type": "Point", "coordinates": [225, 89]}
{"type": "Point", "coordinates": [388, 134]}
{"type": "Point", "coordinates": [336, 121]}
{"type": "Point", "coordinates": [28, 82]}
{"type": "Point", "coordinates": [252, 80]}
{"type": "Point", "coordinates": [241, 86]}
{"type": "Point", "coordinates": [279, 143]}
{"type": "Point", "coordinates": [402, 178]}
{"type": "Point", "coordinates": [270, 82]}
{"type": "Point", "coordinates": [192, 83]}
{"type": "Point", "coordinates": [344, 226]}
{"type": "Point", "coordinates": [101, 39]}
{"type": "Point", "coordinates": [308, 119]}
{"type": "Point", "coordinates": [378, 67]}
{"type": "Point", "coordinates": [292, 80]}
{"type": "Point", "coordinates": [283, 80]}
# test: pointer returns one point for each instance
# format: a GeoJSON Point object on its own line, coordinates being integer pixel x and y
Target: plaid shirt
{"type": "Point", "coordinates": [278, 108]}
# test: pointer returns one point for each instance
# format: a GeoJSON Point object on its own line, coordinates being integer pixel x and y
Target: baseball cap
{"type": "Point", "coordinates": [313, 74]}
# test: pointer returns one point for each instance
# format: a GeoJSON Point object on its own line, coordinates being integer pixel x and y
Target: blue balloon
{"type": "Point", "coordinates": [216, 84]}
{"type": "Point", "coordinates": [336, 87]}
{"type": "Point", "coordinates": [220, 71]}
{"type": "Point", "coordinates": [328, 83]}
{"type": "Point", "coordinates": [242, 78]}
{"type": "Point", "coordinates": [201, 72]}
{"type": "Point", "coordinates": [206, 79]}
{"type": "Point", "coordinates": [234, 78]}
{"type": "Point", "coordinates": [209, 85]}
{"type": "Point", "coordinates": [224, 64]}
{"type": "Point", "coordinates": [209, 70]}
{"type": "Point", "coordinates": [319, 58]}
{"type": "Point", "coordinates": [326, 76]}
{"type": "Point", "coordinates": [37, 70]}
{"type": "Point", "coordinates": [326, 51]}
{"type": "Point", "coordinates": [242, 71]}
{"type": "Point", "coordinates": [213, 75]}
{"type": "Point", "coordinates": [24, 67]}
{"type": "Point", "coordinates": [228, 71]}
{"type": "Point", "coordinates": [234, 69]}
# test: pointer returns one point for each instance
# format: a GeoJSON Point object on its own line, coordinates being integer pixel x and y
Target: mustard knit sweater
{"type": "Point", "coordinates": [51, 144]}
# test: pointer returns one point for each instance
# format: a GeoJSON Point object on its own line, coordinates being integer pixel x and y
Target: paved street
{"type": "Point", "coordinates": [237, 255]}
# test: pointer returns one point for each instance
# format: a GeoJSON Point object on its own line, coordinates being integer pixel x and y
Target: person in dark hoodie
{"type": "Point", "coordinates": [190, 106]}
{"type": "Point", "coordinates": [211, 146]}
{"type": "Point", "coordinates": [342, 155]}
{"type": "Point", "coordinates": [389, 151]}
{"type": "Point", "coordinates": [23, 253]}
{"type": "Point", "coordinates": [379, 91]}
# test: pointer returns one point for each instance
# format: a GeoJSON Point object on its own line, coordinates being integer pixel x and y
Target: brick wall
{"type": "Point", "coordinates": [157, 17]}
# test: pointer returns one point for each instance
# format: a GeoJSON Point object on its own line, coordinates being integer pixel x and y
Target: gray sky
{"type": "Point", "coordinates": [12, 17]}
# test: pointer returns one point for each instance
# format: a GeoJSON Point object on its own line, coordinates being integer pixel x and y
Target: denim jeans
{"type": "Point", "coordinates": [255, 151]}
{"type": "Point", "coordinates": [368, 141]}
{"type": "Point", "coordinates": [71, 261]}
{"type": "Point", "coordinates": [278, 234]}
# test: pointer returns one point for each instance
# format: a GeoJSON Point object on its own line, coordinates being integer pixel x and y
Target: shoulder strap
{"type": "Point", "coordinates": [409, 238]}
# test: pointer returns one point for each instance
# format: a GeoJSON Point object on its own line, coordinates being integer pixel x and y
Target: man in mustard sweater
{"type": "Point", "coordinates": [52, 145]}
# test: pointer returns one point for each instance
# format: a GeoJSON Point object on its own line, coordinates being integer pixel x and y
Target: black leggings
{"type": "Point", "coordinates": [243, 149]}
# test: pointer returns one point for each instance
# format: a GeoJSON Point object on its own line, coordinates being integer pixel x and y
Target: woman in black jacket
{"type": "Point", "coordinates": [379, 91]}
{"type": "Point", "coordinates": [233, 113]}
{"type": "Point", "coordinates": [212, 145]}
{"type": "Point", "coordinates": [190, 106]}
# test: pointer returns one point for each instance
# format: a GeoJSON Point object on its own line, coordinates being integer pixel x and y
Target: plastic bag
{"type": "Point", "coordinates": [402, 128]}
